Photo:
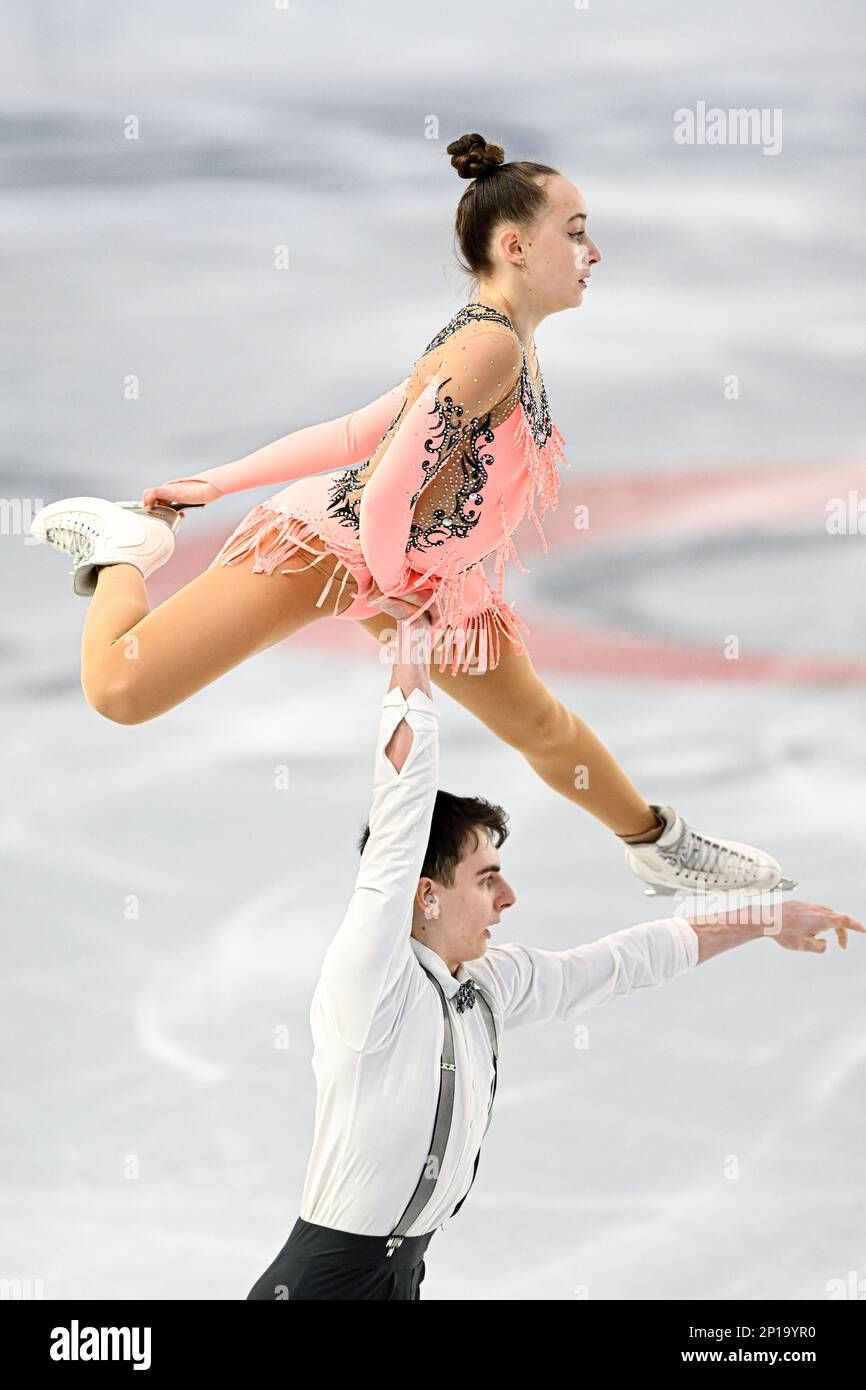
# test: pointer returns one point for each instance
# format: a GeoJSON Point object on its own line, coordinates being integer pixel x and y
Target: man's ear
{"type": "Point", "coordinates": [425, 886]}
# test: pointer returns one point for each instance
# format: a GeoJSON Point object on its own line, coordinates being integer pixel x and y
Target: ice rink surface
{"type": "Point", "coordinates": [167, 907]}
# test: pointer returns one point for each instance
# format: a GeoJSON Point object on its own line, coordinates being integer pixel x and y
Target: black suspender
{"type": "Point", "coordinates": [444, 1112]}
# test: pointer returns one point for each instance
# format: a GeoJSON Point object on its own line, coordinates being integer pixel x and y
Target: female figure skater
{"type": "Point", "coordinates": [436, 475]}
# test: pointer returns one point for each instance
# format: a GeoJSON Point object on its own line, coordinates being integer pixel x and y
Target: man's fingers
{"type": "Point", "coordinates": [811, 942]}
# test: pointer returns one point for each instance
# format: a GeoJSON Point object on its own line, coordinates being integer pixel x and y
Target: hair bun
{"type": "Point", "coordinates": [473, 158]}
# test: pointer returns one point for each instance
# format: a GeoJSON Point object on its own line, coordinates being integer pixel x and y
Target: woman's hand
{"type": "Point", "coordinates": [401, 607]}
{"type": "Point", "coordinates": [183, 490]}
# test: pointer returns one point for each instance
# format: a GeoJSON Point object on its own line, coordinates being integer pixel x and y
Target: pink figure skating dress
{"type": "Point", "coordinates": [437, 474]}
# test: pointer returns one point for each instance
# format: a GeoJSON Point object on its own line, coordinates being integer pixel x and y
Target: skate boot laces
{"type": "Point", "coordinates": [705, 856]}
{"type": "Point", "coordinates": [76, 535]}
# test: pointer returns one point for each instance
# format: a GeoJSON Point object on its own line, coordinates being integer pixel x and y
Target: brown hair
{"type": "Point", "coordinates": [500, 193]}
{"type": "Point", "coordinates": [455, 818]}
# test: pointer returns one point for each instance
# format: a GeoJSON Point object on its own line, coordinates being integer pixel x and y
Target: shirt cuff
{"type": "Point", "coordinates": [689, 936]}
{"type": "Point", "coordinates": [417, 709]}
{"type": "Point", "coordinates": [416, 699]}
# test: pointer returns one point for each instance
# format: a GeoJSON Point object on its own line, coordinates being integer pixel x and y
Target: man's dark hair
{"type": "Point", "coordinates": [455, 820]}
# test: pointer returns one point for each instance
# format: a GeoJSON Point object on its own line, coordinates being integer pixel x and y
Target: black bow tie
{"type": "Point", "coordinates": [465, 996]}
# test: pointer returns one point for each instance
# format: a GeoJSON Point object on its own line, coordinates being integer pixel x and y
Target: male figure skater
{"type": "Point", "coordinates": [412, 1002]}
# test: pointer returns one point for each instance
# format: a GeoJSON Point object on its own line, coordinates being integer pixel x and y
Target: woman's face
{"type": "Point", "coordinates": [560, 253]}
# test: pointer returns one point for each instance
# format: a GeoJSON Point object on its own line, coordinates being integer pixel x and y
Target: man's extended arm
{"type": "Point", "coordinates": [536, 986]}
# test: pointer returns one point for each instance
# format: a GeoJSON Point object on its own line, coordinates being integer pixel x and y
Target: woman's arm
{"type": "Point", "coordinates": [475, 375]}
{"type": "Point", "coordinates": [315, 449]}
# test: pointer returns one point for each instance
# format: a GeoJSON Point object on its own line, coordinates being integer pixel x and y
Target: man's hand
{"type": "Point", "coordinates": [801, 922]}
{"type": "Point", "coordinates": [410, 654]}
{"type": "Point", "coordinates": [794, 925]}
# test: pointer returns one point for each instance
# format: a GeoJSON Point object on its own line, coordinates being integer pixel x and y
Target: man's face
{"type": "Point", "coordinates": [471, 908]}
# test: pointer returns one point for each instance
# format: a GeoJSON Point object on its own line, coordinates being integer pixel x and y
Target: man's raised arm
{"type": "Point", "coordinates": [370, 953]}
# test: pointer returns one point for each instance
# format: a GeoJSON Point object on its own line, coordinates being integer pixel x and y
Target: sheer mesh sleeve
{"type": "Point", "coordinates": [317, 448]}
{"type": "Point", "coordinates": [428, 483]}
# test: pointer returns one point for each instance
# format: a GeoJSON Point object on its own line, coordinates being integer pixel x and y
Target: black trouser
{"type": "Point", "coordinates": [319, 1262]}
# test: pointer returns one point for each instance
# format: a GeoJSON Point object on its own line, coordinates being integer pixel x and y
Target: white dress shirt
{"type": "Point", "coordinates": [377, 1019]}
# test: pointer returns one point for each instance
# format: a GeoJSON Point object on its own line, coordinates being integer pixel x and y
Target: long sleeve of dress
{"type": "Point", "coordinates": [317, 448]}
{"type": "Point", "coordinates": [435, 449]}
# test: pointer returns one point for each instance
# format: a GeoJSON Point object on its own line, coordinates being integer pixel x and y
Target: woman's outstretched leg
{"type": "Point", "coordinates": [665, 853]}
{"type": "Point", "coordinates": [136, 664]}
{"type": "Point", "coordinates": [516, 705]}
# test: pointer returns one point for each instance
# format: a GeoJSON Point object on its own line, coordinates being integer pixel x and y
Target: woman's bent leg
{"type": "Point", "coordinates": [516, 705]}
{"type": "Point", "coordinates": [137, 664]}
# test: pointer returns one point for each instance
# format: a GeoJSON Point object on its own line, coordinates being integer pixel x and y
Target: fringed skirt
{"type": "Point", "coordinates": [467, 613]}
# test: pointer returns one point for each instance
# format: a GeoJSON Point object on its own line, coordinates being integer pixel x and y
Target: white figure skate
{"type": "Point", "coordinates": [97, 532]}
{"type": "Point", "coordinates": [682, 861]}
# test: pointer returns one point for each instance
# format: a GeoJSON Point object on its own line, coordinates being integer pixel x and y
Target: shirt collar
{"type": "Point", "coordinates": [436, 965]}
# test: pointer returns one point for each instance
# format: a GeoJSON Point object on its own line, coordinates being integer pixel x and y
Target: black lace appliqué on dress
{"type": "Point", "coordinates": [341, 505]}
{"type": "Point", "coordinates": [447, 430]}
{"type": "Point", "coordinates": [535, 403]}
{"type": "Point", "coordinates": [466, 489]}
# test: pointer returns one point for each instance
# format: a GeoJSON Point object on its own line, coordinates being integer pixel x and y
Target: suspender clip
{"type": "Point", "coordinates": [392, 1242]}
